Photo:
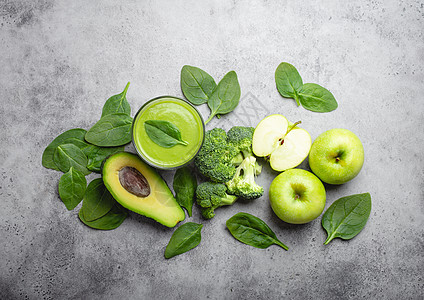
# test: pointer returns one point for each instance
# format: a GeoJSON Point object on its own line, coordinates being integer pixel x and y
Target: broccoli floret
{"type": "Point", "coordinates": [243, 184]}
{"type": "Point", "coordinates": [215, 158]}
{"type": "Point", "coordinates": [241, 138]}
{"type": "Point", "coordinates": [210, 196]}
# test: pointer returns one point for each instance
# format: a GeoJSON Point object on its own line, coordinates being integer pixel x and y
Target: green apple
{"type": "Point", "coordinates": [336, 156]}
{"type": "Point", "coordinates": [297, 196]}
{"type": "Point", "coordinates": [282, 142]}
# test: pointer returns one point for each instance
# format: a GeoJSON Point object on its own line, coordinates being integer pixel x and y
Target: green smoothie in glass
{"type": "Point", "coordinates": [181, 114]}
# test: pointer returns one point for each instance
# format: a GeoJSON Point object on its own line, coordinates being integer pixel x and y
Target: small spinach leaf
{"type": "Point", "coordinates": [72, 186]}
{"type": "Point", "coordinates": [97, 200]}
{"type": "Point", "coordinates": [185, 184]}
{"type": "Point", "coordinates": [72, 136]}
{"type": "Point", "coordinates": [252, 231]}
{"type": "Point", "coordinates": [346, 217]}
{"type": "Point", "coordinates": [225, 96]}
{"type": "Point", "coordinates": [110, 131]}
{"type": "Point", "coordinates": [109, 221]}
{"type": "Point", "coordinates": [288, 81]}
{"type": "Point", "coordinates": [163, 133]}
{"type": "Point", "coordinates": [117, 104]}
{"type": "Point", "coordinates": [67, 156]}
{"type": "Point", "coordinates": [185, 238]}
{"type": "Point", "coordinates": [196, 84]}
{"type": "Point", "coordinates": [96, 155]}
{"type": "Point", "coordinates": [316, 98]}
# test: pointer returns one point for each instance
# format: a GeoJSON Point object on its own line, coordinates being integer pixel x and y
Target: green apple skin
{"type": "Point", "coordinates": [297, 196]}
{"type": "Point", "coordinates": [336, 156]}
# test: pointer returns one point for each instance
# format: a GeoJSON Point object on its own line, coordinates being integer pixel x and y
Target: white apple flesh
{"type": "Point", "coordinates": [285, 144]}
{"type": "Point", "coordinates": [297, 196]}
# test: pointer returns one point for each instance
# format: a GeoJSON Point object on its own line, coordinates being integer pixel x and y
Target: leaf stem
{"type": "Point", "coordinates": [281, 245]}
{"type": "Point", "coordinates": [329, 238]}
{"type": "Point", "coordinates": [296, 98]}
{"type": "Point", "coordinates": [210, 118]}
{"type": "Point", "coordinates": [126, 89]}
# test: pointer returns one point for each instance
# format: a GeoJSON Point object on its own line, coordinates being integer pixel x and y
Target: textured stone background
{"type": "Point", "coordinates": [60, 60]}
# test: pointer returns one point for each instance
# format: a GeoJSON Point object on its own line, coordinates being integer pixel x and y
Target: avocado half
{"type": "Point", "coordinates": [138, 187]}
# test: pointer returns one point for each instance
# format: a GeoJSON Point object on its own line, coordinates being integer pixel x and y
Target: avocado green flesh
{"type": "Point", "coordinates": [159, 204]}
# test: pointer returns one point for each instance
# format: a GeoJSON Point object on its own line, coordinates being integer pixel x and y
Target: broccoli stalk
{"type": "Point", "coordinates": [243, 184]}
{"type": "Point", "coordinates": [210, 196]}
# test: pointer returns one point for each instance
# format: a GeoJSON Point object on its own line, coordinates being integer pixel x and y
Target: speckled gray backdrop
{"type": "Point", "coordinates": [60, 60]}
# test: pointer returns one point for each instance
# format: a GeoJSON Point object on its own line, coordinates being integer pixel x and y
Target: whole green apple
{"type": "Point", "coordinates": [336, 156]}
{"type": "Point", "coordinates": [297, 196]}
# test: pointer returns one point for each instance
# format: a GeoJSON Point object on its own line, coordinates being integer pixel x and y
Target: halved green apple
{"type": "Point", "coordinates": [283, 143]}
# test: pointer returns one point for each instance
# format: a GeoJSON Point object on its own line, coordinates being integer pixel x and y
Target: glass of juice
{"type": "Point", "coordinates": [181, 114]}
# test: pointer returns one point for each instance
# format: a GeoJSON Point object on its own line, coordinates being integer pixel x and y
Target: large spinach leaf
{"type": "Point", "coordinates": [316, 98]}
{"type": "Point", "coordinates": [185, 184]}
{"type": "Point", "coordinates": [252, 231]}
{"type": "Point", "coordinates": [73, 136]}
{"type": "Point", "coordinates": [185, 238]}
{"type": "Point", "coordinates": [109, 221]}
{"type": "Point", "coordinates": [110, 131]}
{"type": "Point", "coordinates": [67, 156]}
{"type": "Point", "coordinates": [72, 186]}
{"type": "Point", "coordinates": [164, 133]}
{"type": "Point", "coordinates": [97, 200]}
{"type": "Point", "coordinates": [288, 81]}
{"type": "Point", "coordinates": [117, 104]}
{"type": "Point", "coordinates": [346, 217]}
{"type": "Point", "coordinates": [225, 96]}
{"type": "Point", "coordinates": [196, 84]}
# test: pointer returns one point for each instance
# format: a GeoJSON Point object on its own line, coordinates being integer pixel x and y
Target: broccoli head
{"type": "Point", "coordinates": [243, 184]}
{"type": "Point", "coordinates": [210, 196]}
{"type": "Point", "coordinates": [215, 158]}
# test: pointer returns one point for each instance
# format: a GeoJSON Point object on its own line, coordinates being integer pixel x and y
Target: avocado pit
{"type": "Point", "coordinates": [134, 182]}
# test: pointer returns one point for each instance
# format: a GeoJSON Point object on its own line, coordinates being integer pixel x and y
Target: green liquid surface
{"type": "Point", "coordinates": [181, 114]}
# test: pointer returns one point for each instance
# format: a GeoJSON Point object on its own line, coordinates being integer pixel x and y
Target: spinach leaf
{"type": "Point", "coordinates": [346, 217]}
{"type": "Point", "coordinates": [72, 186]}
{"type": "Point", "coordinates": [196, 84]}
{"type": "Point", "coordinates": [163, 133]}
{"type": "Point", "coordinates": [185, 184]}
{"type": "Point", "coordinates": [316, 98]}
{"type": "Point", "coordinates": [185, 238]}
{"type": "Point", "coordinates": [96, 155]}
{"type": "Point", "coordinates": [67, 156]}
{"type": "Point", "coordinates": [225, 96]}
{"type": "Point", "coordinates": [97, 200]}
{"type": "Point", "coordinates": [109, 221]}
{"type": "Point", "coordinates": [117, 104]}
{"type": "Point", "coordinates": [110, 131]}
{"type": "Point", "coordinates": [252, 231]}
{"type": "Point", "coordinates": [73, 136]}
{"type": "Point", "coordinates": [288, 81]}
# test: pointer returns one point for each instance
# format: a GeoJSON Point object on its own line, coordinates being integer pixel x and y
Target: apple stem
{"type": "Point", "coordinates": [293, 126]}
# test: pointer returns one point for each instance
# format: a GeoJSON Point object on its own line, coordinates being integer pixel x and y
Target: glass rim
{"type": "Point", "coordinates": [147, 161]}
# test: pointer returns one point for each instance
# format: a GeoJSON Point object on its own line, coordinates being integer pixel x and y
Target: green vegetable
{"type": "Point", "coordinates": [225, 96]}
{"type": "Point", "coordinates": [312, 96]}
{"type": "Point", "coordinates": [163, 133]}
{"type": "Point", "coordinates": [110, 131]}
{"type": "Point", "coordinates": [316, 98]}
{"type": "Point", "coordinates": [117, 104]}
{"type": "Point", "coordinates": [109, 221]}
{"type": "Point", "coordinates": [73, 136]}
{"type": "Point", "coordinates": [185, 184]}
{"type": "Point", "coordinates": [252, 231]}
{"type": "Point", "coordinates": [97, 201]}
{"type": "Point", "coordinates": [96, 155]}
{"type": "Point", "coordinates": [196, 84]}
{"type": "Point", "coordinates": [185, 238]}
{"type": "Point", "coordinates": [228, 158]}
{"type": "Point", "coordinates": [288, 80]}
{"type": "Point", "coordinates": [72, 186]}
{"type": "Point", "coordinates": [210, 196]}
{"type": "Point", "coordinates": [67, 156]}
{"type": "Point", "coordinates": [346, 217]}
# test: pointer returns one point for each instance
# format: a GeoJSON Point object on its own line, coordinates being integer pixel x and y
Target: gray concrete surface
{"type": "Point", "coordinates": [60, 60]}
